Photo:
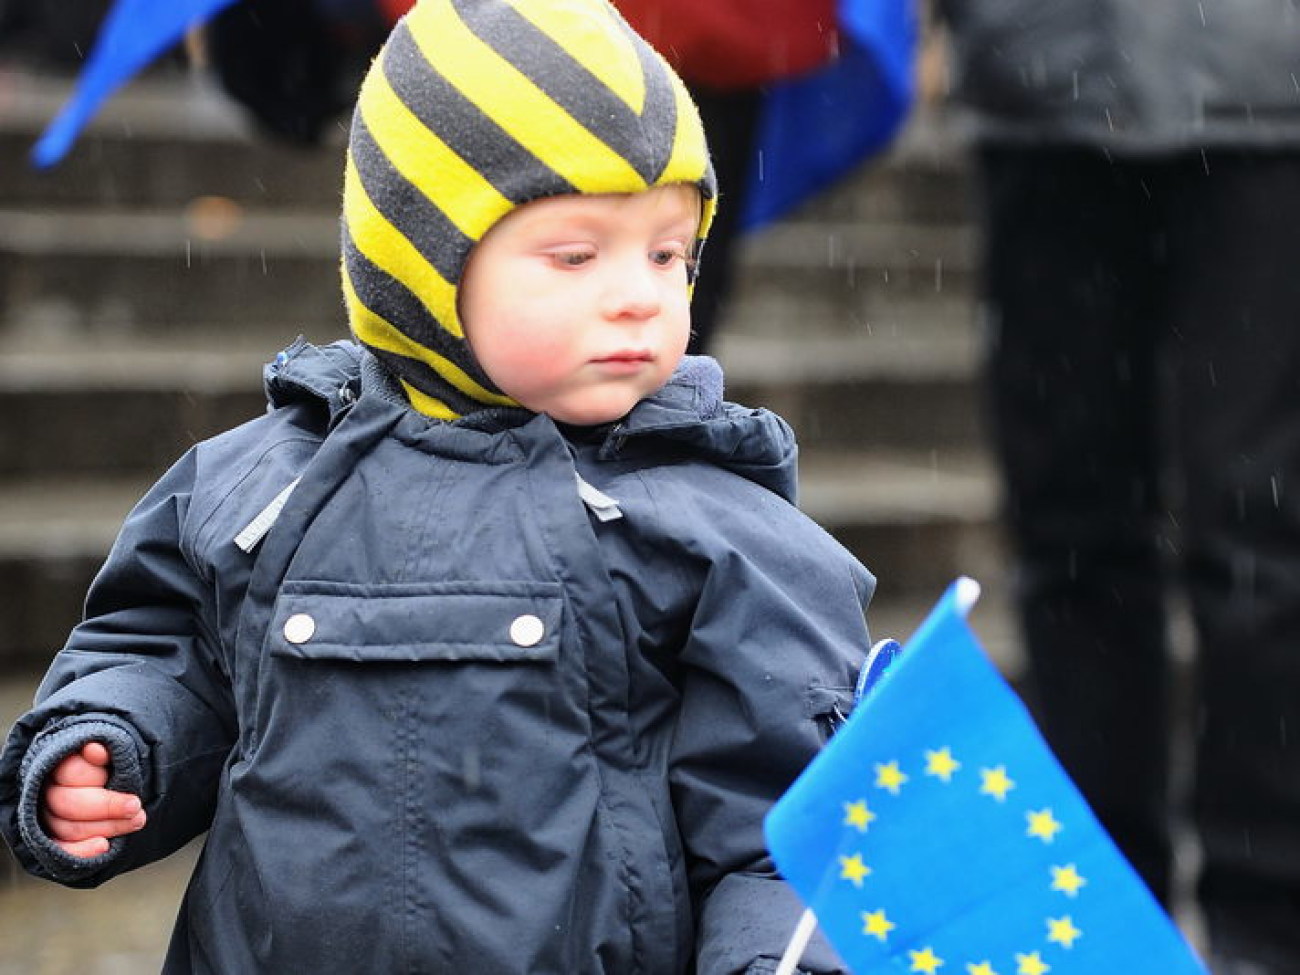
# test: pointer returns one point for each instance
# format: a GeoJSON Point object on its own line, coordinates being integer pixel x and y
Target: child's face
{"type": "Point", "coordinates": [578, 306]}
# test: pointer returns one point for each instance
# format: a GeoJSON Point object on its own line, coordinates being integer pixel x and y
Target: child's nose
{"type": "Point", "coordinates": [633, 293]}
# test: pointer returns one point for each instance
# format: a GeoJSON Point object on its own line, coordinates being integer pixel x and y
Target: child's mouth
{"type": "Point", "coordinates": [629, 361]}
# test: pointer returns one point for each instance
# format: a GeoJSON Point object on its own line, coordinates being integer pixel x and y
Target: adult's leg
{"type": "Point", "coordinates": [1071, 379]}
{"type": "Point", "coordinates": [1236, 348]}
{"type": "Point", "coordinates": [731, 125]}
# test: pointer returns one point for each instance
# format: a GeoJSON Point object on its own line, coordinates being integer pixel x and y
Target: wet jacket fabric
{"type": "Point", "coordinates": [485, 696]}
{"type": "Point", "coordinates": [1131, 75]}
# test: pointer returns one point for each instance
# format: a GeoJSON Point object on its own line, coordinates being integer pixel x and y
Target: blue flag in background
{"type": "Point", "coordinates": [816, 128]}
{"type": "Point", "coordinates": [132, 35]}
{"type": "Point", "coordinates": [936, 833]}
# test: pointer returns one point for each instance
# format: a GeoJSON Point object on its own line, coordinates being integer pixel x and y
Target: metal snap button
{"type": "Point", "coordinates": [527, 631]}
{"type": "Point", "coordinates": [299, 628]}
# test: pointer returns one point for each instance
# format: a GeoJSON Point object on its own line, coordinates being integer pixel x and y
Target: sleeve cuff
{"type": "Point", "coordinates": [50, 748]}
{"type": "Point", "coordinates": [766, 966]}
{"type": "Point", "coordinates": [746, 924]}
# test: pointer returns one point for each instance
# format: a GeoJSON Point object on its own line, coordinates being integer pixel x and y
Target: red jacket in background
{"type": "Point", "coordinates": [725, 43]}
{"type": "Point", "coordinates": [393, 9]}
{"type": "Point", "coordinates": [736, 43]}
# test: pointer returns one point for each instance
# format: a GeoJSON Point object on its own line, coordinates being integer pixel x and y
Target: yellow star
{"type": "Point", "coordinates": [853, 869]}
{"type": "Point", "coordinates": [889, 776]}
{"type": "Point", "coordinates": [857, 815]}
{"type": "Point", "coordinates": [876, 924]}
{"type": "Point", "coordinates": [996, 782]}
{"type": "Point", "coordinates": [1067, 880]}
{"type": "Point", "coordinates": [941, 764]}
{"type": "Point", "coordinates": [1061, 931]}
{"type": "Point", "coordinates": [983, 968]}
{"type": "Point", "coordinates": [1043, 825]}
{"type": "Point", "coordinates": [926, 961]}
{"type": "Point", "coordinates": [1031, 964]}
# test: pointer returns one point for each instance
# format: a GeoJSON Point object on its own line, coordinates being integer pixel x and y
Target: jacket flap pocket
{"type": "Point", "coordinates": [508, 622]}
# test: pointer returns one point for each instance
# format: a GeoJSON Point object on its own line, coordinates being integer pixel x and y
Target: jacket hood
{"type": "Point", "coordinates": [689, 411]}
{"type": "Point", "coordinates": [471, 109]}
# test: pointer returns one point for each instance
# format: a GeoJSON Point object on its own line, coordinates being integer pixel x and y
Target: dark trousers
{"type": "Point", "coordinates": [731, 120]}
{"type": "Point", "coordinates": [1143, 324]}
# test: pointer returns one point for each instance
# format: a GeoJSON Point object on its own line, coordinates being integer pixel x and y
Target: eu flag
{"type": "Point", "coordinates": [132, 35]}
{"type": "Point", "coordinates": [936, 833]}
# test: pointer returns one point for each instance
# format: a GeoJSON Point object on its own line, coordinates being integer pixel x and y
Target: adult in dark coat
{"type": "Point", "coordinates": [1139, 168]}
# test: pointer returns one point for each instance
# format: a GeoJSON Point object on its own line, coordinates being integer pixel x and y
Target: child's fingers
{"type": "Point", "coordinates": [96, 754]}
{"type": "Point", "coordinates": [78, 770]}
{"type": "Point", "coordinates": [85, 848]}
{"type": "Point", "coordinates": [80, 831]}
{"type": "Point", "coordinates": [88, 805]}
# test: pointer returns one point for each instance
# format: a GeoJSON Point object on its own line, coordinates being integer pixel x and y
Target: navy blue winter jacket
{"type": "Point", "coordinates": [477, 697]}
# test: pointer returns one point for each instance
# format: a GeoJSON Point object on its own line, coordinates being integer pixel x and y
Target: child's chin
{"type": "Point", "coordinates": [585, 419]}
{"type": "Point", "coordinates": [594, 414]}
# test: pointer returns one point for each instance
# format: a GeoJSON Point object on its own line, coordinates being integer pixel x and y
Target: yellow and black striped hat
{"type": "Point", "coordinates": [472, 108]}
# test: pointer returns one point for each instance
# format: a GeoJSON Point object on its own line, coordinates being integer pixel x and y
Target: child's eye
{"type": "Point", "coordinates": [667, 256]}
{"type": "Point", "coordinates": [573, 258]}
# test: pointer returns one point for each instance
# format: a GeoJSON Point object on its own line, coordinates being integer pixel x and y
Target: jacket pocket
{"type": "Point", "coordinates": [423, 735]}
{"type": "Point", "coordinates": [505, 622]}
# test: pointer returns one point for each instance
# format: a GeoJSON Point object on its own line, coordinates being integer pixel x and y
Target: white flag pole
{"type": "Point", "coordinates": [798, 942]}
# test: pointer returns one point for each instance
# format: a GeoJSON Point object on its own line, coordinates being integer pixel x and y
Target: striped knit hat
{"type": "Point", "coordinates": [472, 108]}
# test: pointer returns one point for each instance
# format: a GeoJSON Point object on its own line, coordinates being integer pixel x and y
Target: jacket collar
{"type": "Point", "coordinates": [689, 411]}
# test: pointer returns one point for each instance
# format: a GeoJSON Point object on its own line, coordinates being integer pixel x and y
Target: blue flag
{"type": "Point", "coordinates": [815, 128]}
{"type": "Point", "coordinates": [132, 35]}
{"type": "Point", "coordinates": [936, 833]}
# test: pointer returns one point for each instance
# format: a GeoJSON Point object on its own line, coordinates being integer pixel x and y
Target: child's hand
{"type": "Point", "coordinates": [79, 813]}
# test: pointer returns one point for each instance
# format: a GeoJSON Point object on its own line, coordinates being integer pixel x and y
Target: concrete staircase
{"type": "Point", "coordinates": [144, 281]}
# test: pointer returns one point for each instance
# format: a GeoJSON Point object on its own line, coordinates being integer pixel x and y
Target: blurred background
{"type": "Point", "coordinates": [145, 280]}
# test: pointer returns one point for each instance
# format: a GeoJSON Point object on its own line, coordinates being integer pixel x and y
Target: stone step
{"type": "Point", "coordinates": [162, 141]}
{"type": "Point", "coordinates": [53, 537]}
{"type": "Point", "coordinates": [77, 406]}
{"type": "Point", "coordinates": [833, 276]}
{"type": "Point", "coordinates": [172, 138]}
{"type": "Point", "coordinates": [113, 270]}
{"type": "Point", "coordinates": [110, 410]}
{"type": "Point", "coordinates": [898, 387]}
{"type": "Point", "coordinates": [917, 520]}
{"type": "Point", "coordinates": [924, 176]}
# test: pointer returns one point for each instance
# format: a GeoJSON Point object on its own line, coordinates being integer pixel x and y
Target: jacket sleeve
{"type": "Point", "coordinates": [778, 636]}
{"type": "Point", "coordinates": [141, 674]}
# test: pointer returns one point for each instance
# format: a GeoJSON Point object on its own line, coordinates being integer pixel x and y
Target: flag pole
{"type": "Point", "coordinates": [798, 942]}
